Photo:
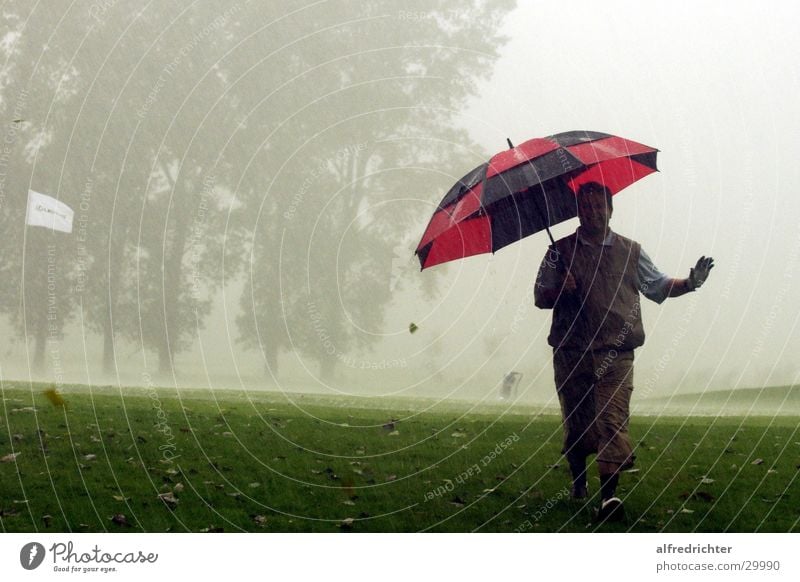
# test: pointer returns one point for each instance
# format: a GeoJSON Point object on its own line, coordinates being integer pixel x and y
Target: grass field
{"type": "Point", "coordinates": [162, 460]}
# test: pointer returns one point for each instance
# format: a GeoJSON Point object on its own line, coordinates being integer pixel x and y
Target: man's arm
{"type": "Point", "coordinates": [657, 286]}
{"type": "Point", "coordinates": [551, 281]}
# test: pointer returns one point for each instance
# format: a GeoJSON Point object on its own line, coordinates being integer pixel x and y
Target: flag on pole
{"type": "Point", "coordinates": [46, 211]}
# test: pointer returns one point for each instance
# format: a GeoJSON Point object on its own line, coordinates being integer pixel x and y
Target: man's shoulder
{"type": "Point", "coordinates": [624, 240]}
{"type": "Point", "coordinates": [567, 241]}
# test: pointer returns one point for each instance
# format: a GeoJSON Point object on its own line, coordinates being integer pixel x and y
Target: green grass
{"type": "Point", "coordinates": [258, 462]}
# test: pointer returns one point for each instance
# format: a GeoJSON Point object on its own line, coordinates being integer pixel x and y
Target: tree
{"type": "Point", "coordinates": [369, 122]}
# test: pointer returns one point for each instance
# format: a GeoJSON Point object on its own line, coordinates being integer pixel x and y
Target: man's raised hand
{"type": "Point", "coordinates": [700, 272]}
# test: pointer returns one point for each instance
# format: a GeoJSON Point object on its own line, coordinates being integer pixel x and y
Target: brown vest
{"type": "Point", "coordinates": [604, 313]}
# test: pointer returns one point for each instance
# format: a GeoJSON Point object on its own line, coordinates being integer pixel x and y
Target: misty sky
{"type": "Point", "coordinates": [713, 86]}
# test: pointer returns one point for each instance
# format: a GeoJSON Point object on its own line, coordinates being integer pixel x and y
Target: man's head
{"type": "Point", "coordinates": [595, 207]}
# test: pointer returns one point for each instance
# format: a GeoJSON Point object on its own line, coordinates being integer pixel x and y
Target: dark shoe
{"type": "Point", "coordinates": [611, 511]}
{"type": "Point", "coordinates": [579, 491]}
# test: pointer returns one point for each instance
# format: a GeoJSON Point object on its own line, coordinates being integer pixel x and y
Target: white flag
{"type": "Point", "coordinates": [48, 212]}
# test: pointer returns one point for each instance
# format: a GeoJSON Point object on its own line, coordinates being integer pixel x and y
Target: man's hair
{"type": "Point", "coordinates": [594, 187]}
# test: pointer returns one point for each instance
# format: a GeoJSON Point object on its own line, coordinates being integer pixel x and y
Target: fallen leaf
{"type": "Point", "coordinates": [120, 519]}
{"type": "Point", "coordinates": [346, 523]}
{"type": "Point", "coordinates": [55, 398]}
{"type": "Point", "coordinates": [169, 499]}
{"type": "Point", "coordinates": [260, 520]}
{"type": "Point", "coordinates": [391, 477]}
{"type": "Point", "coordinates": [684, 510]}
{"type": "Point", "coordinates": [89, 457]}
{"type": "Point", "coordinates": [757, 462]}
{"type": "Point", "coordinates": [178, 488]}
{"type": "Point", "coordinates": [706, 480]}
{"type": "Point", "coordinates": [394, 433]}
{"type": "Point", "coordinates": [412, 327]}
{"type": "Point", "coordinates": [10, 457]}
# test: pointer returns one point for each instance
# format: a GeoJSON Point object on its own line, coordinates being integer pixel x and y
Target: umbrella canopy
{"type": "Point", "coordinates": [529, 188]}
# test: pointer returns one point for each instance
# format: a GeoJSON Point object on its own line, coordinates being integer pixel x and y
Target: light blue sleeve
{"type": "Point", "coordinates": [652, 283]}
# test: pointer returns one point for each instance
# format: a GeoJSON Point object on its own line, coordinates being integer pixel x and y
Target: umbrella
{"type": "Point", "coordinates": [528, 188]}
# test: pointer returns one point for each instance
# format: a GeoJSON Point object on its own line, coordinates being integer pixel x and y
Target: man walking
{"type": "Point", "coordinates": [592, 280]}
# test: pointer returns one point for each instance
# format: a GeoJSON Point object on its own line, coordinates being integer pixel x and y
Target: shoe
{"type": "Point", "coordinates": [611, 510]}
{"type": "Point", "coordinates": [579, 491]}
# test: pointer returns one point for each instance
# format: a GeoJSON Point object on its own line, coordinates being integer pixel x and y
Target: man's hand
{"type": "Point", "coordinates": [700, 272]}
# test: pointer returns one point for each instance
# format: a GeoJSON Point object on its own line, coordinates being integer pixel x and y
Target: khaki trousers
{"type": "Point", "coordinates": [594, 390]}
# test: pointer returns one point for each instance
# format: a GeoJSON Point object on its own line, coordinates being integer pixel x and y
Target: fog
{"type": "Point", "coordinates": [250, 181]}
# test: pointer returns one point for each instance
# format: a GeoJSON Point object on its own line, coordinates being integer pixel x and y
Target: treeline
{"type": "Point", "coordinates": [202, 144]}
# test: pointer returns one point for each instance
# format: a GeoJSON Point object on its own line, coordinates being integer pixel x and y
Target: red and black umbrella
{"type": "Point", "coordinates": [528, 188]}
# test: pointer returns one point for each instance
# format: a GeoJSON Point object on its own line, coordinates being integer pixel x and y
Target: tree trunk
{"type": "Point", "coordinates": [270, 362]}
{"type": "Point", "coordinates": [108, 345]}
{"type": "Point", "coordinates": [39, 351]}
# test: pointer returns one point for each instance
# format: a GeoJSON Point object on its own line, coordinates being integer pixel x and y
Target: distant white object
{"type": "Point", "coordinates": [509, 388]}
{"type": "Point", "coordinates": [48, 212]}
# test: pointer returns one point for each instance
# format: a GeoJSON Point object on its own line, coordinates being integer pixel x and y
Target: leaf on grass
{"type": "Point", "coordinates": [10, 457]}
{"type": "Point", "coordinates": [394, 433]}
{"type": "Point", "coordinates": [260, 520]}
{"type": "Point", "coordinates": [346, 523]}
{"type": "Point", "coordinates": [212, 529]}
{"type": "Point", "coordinates": [459, 434]}
{"type": "Point", "coordinates": [706, 480]}
{"type": "Point", "coordinates": [757, 462]}
{"type": "Point", "coordinates": [254, 484]}
{"type": "Point", "coordinates": [120, 519]}
{"type": "Point", "coordinates": [18, 437]}
{"type": "Point", "coordinates": [684, 510]}
{"type": "Point", "coordinates": [348, 502]}
{"type": "Point", "coordinates": [771, 471]}
{"type": "Point", "coordinates": [178, 488]}
{"type": "Point", "coordinates": [24, 409]}
{"type": "Point", "coordinates": [391, 477]}
{"type": "Point", "coordinates": [89, 457]}
{"type": "Point", "coordinates": [631, 471]}
{"type": "Point", "coordinates": [169, 499]}
{"type": "Point", "coordinates": [55, 398]}
{"type": "Point", "coordinates": [121, 498]}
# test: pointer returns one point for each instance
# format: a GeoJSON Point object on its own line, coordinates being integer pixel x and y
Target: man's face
{"type": "Point", "coordinates": [594, 212]}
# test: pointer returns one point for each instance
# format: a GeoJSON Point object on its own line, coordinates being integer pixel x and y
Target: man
{"type": "Point", "coordinates": [592, 280]}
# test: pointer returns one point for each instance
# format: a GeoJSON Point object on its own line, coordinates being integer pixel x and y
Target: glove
{"type": "Point", "coordinates": [700, 272]}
